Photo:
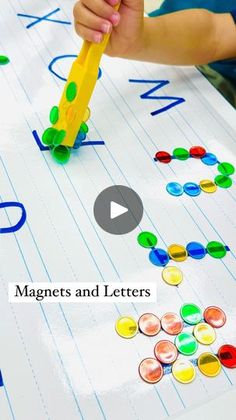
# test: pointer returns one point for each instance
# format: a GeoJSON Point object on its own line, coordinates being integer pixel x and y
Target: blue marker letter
{"type": "Point", "coordinates": [21, 222]}
{"type": "Point", "coordinates": [44, 18]}
{"type": "Point", "coordinates": [158, 85]}
{"type": "Point", "coordinates": [61, 57]}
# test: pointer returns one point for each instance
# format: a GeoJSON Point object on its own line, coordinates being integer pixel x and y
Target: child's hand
{"type": "Point", "coordinates": [94, 18]}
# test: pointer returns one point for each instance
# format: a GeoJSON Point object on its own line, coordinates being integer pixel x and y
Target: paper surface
{"type": "Point", "coordinates": [65, 360]}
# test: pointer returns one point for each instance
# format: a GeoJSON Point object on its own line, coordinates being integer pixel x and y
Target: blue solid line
{"type": "Point", "coordinates": [93, 143]}
{"type": "Point", "coordinates": [63, 22]}
{"type": "Point", "coordinates": [162, 402]}
{"type": "Point", "coordinates": [37, 17]}
{"type": "Point", "coordinates": [9, 403]}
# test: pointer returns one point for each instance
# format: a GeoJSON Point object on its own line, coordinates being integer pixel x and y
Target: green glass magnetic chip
{"type": "Point", "coordinates": [71, 91]}
{"type": "Point", "coordinates": [226, 168]}
{"type": "Point", "coordinates": [54, 115]}
{"type": "Point", "coordinates": [59, 137]}
{"type": "Point", "coordinates": [4, 60]}
{"type": "Point", "coordinates": [191, 313]}
{"type": "Point", "coordinates": [223, 181]}
{"type": "Point", "coordinates": [61, 154]}
{"type": "Point", "coordinates": [48, 136]}
{"type": "Point", "coordinates": [147, 239]}
{"type": "Point", "coordinates": [180, 153]}
{"type": "Point", "coordinates": [84, 128]}
{"type": "Point", "coordinates": [216, 249]}
{"type": "Point", "coordinates": [186, 343]}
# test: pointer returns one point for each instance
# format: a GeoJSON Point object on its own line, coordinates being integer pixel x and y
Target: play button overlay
{"type": "Point", "coordinates": [118, 210]}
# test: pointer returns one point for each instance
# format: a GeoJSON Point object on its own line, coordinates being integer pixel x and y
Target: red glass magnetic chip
{"type": "Point", "coordinates": [163, 157]}
{"type": "Point", "coordinates": [166, 352]}
{"type": "Point", "coordinates": [214, 316]}
{"type": "Point", "coordinates": [227, 356]}
{"type": "Point", "coordinates": [197, 152]}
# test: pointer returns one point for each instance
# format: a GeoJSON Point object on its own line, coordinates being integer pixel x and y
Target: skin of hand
{"type": "Point", "coordinates": [94, 18]}
{"type": "Point", "coordinates": [187, 37]}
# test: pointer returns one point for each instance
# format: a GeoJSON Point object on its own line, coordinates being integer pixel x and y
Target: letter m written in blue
{"type": "Point", "coordinates": [150, 94]}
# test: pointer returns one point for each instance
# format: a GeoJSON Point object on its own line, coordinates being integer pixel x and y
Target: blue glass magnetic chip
{"type": "Point", "coordinates": [79, 139]}
{"type": "Point", "coordinates": [174, 188]}
{"type": "Point", "coordinates": [159, 257]}
{"type": "Point", "coordinates": [196, 250]}
{"type": "Point", "coordinates": [209, 159]}
{"type": "Point", "coordinates": [192, 189]}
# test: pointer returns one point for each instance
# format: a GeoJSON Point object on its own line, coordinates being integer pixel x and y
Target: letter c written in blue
{"type": "Point", "coordinates": [17, 226]}
{"type": "Point", "coordinates": [62, 57]}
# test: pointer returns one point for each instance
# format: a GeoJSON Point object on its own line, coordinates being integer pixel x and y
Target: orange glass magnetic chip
{"type": "Point", "coordinates": [177, 252]}
{"type": "Point", "coordinates": [149, 324]}
{"type": "Point", "coordinates": [150, 370]}
{"type": "Point", "coordinates": [209, 364]}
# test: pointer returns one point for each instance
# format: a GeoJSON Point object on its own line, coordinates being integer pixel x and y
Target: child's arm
{"type": "Point", "coordinates": [193, 36]}
{"type": "Point", "coordinates": [187, 37]}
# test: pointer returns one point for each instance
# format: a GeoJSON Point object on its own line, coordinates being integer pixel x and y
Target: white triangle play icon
{"type": "Point", "coordinates": [117, 210]}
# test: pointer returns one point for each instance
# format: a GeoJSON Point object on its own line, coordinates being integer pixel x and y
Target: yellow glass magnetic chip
{"type": "Point", "coordinates": [209, 364]}
{"type": "Point", "coordinates": [172, 275]}
{"type": "Point", "coordinates": [126, 327]}
{"type": "Point", "coordinates": [183, 371]}
{"type": "Point", "coordinates": [87, 114]}
{"type": "Point", "coordinates": [177, 252]}
{"type": "Point", "coordinates": [204, 333]}
{"type": "Point", "coordinates": [208, 186]}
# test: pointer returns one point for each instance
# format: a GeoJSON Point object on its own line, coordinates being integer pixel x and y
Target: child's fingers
{"type": "Point", "coordinates": [92, 21]}
{"type": "Point", "coordinates": [88, 34]}
{"type": "Point", "coordinates": [100, 8]}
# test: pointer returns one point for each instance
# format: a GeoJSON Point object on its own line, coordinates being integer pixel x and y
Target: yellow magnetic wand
{"type": "Point", "coordinates": [69, 118]}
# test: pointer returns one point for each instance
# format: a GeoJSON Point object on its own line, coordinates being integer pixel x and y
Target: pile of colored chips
{"type": "Point", "coordinates": [192, 189]}
{"type": "Point", "coordinates": [53, 138]}
{"type": "Point", "coordinates": [178, 253]}
{"type": "Point", "coordinates": [166, 352]}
